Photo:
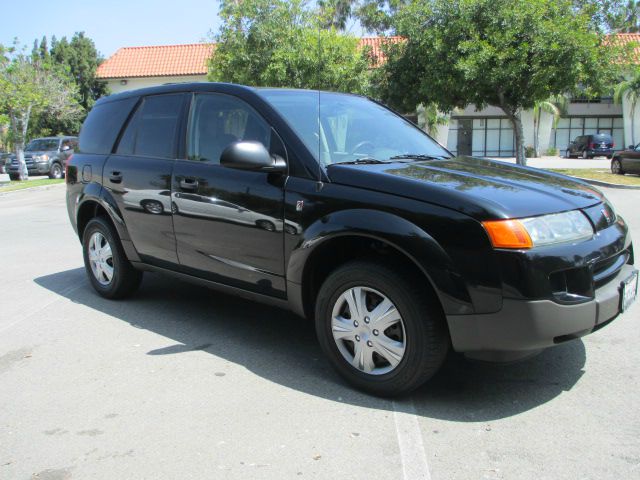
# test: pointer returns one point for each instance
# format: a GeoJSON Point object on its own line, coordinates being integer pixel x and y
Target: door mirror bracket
{"type": "Point", "coordinates": [251, 155]}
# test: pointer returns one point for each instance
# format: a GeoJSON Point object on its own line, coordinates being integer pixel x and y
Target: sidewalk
{"type": "Point", "coordinates": [561, 162]}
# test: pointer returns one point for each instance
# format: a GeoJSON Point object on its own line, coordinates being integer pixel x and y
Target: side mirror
{"type": "Point", "coordinates": [65, 148]}
{"type": "Point", "coordinates": [251, 156]}
{"type": "Point", "coordinates": [631, 147]}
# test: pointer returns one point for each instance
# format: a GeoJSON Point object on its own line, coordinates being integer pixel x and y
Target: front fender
{"type": "Point", "coordinates": [399, 233]}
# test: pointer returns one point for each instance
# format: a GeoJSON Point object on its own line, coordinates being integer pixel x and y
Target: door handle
{"type": "Point", "coordinates": [189, 184]}
{"type": "Point", "coordinates": [116, 177]}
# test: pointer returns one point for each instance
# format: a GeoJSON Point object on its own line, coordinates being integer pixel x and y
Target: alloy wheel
{"type": "Point", "coordinates": [101, 258]}
{"type": "Point", "coordinates": [368, 330]}
{"type": "Point", "coordinates": [616, 167]}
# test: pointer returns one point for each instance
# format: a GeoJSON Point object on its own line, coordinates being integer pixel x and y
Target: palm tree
{"type": "Point", "coordinates": [556, 106]}
{"type": "Point", "coordinates": [631, 90]}
{"type": "Point", "coordinates": [429, 118]}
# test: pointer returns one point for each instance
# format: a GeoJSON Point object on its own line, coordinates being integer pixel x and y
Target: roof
{"type": "Point", "coordinates": [157, 61]}
{"type": "Point", "coordinates": [189, 59]}
{"type": "Point", "coordinates": [376, 45]}
{"type": "Point", "coordinates": [627, 39]}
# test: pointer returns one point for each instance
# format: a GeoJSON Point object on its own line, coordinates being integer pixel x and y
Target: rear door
{"type": "Point", "coordinates": [229, 223]}
{"type": "Point", "coordinates": [139, 176]}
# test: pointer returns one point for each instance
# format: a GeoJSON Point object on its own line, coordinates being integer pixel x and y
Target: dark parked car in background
{"type": "Point", "coordinates": [626, 161]}
{"type": "Point", "coordinates": [45, 156]}
{"type": "Point", "coordinates": [4, 160]}
{"type": "Point", "coordinates": [589, 146]}
{"type": "Point", "coordinates": [340, 210]}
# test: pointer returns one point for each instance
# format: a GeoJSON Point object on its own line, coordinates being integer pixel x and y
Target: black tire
{"type": "Point", "coordinates": [14, 178]}
{"type": "Point", "coordinates": [568, 154]}
{"type": "Point", "coordinates": [56, 170]}
{"type": "Point", "coordinates": [125, 279]}
{"type": "Point", "coordinates": [585, 155]}
{"type": "Point", "coordinates": [426, 335]}
{"type": "Point", "coordinates": [616, 167]}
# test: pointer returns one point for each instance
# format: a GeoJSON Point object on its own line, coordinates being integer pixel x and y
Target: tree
{"type": "Point", "coordinates": [505, 53]}
{"type": "Point", "coordinates": [27, 86]}
{"type": "Point", "coordinates": [629, 89]}
{"type": "Point", "coordinates": [279, 43]}
{"type": "Point", "coordinates": [429, 118]}
{"type": "Point", "coordinates": [556, 106]}
{"type": "Point", "coordinates": [335, 13]}
{"type": "Point", "coordinates": [81, 59]}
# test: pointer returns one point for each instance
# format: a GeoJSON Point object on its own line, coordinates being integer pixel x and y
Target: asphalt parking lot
{"type": "Point", "coordinates": [180, 382]}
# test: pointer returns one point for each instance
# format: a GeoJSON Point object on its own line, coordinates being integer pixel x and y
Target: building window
{"type": "Point", "coordinates": [569, 128]}
{"type": "Point", "coordinates": [481, 137]}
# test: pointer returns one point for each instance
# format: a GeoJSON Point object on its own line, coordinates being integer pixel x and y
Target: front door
{"type": "Point", "coordinates": [139, 177]}
{"type": "Point", "coordinates": [631, 160]}
{"type": "Point", "coordinates": [465, 133]}
{"type": "Point", "coordinates": [228, 223]}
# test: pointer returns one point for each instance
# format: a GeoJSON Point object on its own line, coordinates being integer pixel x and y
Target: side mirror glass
{"type": "Point", "coordinates": [631, 147]}
{"type": "Point", "coordinates": [251, 156]}
{"type": "Point", "coordinates": [66, 148]}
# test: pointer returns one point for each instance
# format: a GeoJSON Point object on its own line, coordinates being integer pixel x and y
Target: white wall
{"type": "Point", "coordinates": [115, 84]}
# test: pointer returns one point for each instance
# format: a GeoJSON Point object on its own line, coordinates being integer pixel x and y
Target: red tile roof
{"type": "Point", "coordinates": [630, 39]}
{"type": "Point", "coordinates": [191, 59]}
{"type": "Point", "coordinates": [160, 61]}
{"type": "Point", "coordinates": [376, 47]}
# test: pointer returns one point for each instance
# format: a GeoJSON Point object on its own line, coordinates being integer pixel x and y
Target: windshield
{"type": "Point", "coordinates": [41, 144]}
{"type": "Point", "coordinates": [351, 127]}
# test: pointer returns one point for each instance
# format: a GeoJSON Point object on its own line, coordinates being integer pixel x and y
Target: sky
{"type": "Point", "coordinates": [111, 24]}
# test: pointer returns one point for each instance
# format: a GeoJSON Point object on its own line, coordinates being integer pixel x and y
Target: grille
{"type": "Point", "coordinates": [605, 270]}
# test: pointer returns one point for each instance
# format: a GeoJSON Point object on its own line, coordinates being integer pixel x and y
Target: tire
{"type": "Point", "coordinates": [56, 170]}
{"type": "Point", "coordinates": [585, 155]}
{"type": "Point", "coordinates": [421, 328]}
{"type": "Point", "coordinates": [616, 167]}
{"type": "Point", "coordinates": [568, 154]}
{"type": "Point", "coordinates": [14, 178]}
{"type": "Point", "coordinates": [124, 278]}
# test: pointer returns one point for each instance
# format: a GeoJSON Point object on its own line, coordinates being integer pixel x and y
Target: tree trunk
{"type": "Point", "coordinates": [536, 133]}
{"type": "Point", "coordinates": [20, 125]}
{"type": "Point", "coordinates": [516, 121]}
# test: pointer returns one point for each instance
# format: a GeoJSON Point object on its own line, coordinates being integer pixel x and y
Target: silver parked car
{"type": "Point", "coordinates": [45, 156]}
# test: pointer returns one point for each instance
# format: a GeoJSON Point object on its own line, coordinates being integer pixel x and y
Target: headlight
{"type": "Point", "coordinates": [40, 158]}
{"type": "Point", "coordinates": [537, 231]}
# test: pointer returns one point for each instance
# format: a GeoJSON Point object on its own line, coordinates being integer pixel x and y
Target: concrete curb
{"type": "Point", "coordinates": [44, 187]}
{"type": "Point", "coordinates": [600, 183]}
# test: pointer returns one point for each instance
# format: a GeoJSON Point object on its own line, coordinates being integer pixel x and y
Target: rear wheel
{"type": "Point", "coordinates": [56, 171]}
{"type": "Point", "coordinates": [14, 178]}
{"type": "Point", "coordinates": [585, 155]}
{"type": "Point", "coordinates": [568, 155]}
{"type": "Point", "coordinates": [380, 329]}
{"type": "Point", "coordinates": [109, 271]}
{"type": "Point", "coordinates": [616, 167]}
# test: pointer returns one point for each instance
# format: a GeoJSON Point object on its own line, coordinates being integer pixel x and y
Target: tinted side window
{"type": "Point", "coordinates": [102, 126]}
{"type": "Point", "coordinates": [151, 132]}
{"type": "Point", "coordinates": [218, 120]}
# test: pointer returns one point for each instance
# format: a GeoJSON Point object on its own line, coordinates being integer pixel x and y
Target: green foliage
{"type": "Point", "coordinates": [279, 43]}
{"type": "Point", "coordinates": [429, 118]}
{"type": "Point", "coordinates": [530, 152]}
{"type": "Point", "coordinates": [335, 13]}
{"type": "Point", "coordinates": [552, 152]}
{"type": "Point", "coordinates": [28, 86]}
{"type": "Point", "coordinates": [506, 53]}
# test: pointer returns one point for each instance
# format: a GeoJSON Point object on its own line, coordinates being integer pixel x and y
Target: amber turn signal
{"type": "Point", "coordinates": [508, 234]}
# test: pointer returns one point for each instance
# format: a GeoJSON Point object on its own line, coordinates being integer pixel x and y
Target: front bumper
{"type": "Point", "coordinates": [530, 325]}
{"type": "Point", "coordinates": [33, 169]}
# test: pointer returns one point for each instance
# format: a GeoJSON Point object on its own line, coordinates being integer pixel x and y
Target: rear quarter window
{"type": "Point", "coordinates": [101, 128]}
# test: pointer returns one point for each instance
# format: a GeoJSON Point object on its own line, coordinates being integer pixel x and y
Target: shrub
{"type": "Point", "coordinates": [529, 151]}
{"type": "Point", "coordinates": [552, 152]}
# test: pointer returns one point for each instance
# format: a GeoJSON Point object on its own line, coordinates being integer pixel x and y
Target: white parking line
{"type": "Point", "coordinates": [412, 454]}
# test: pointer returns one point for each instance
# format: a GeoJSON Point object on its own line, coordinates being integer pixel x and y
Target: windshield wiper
{"type": "Point", "coordinates": [362, 161]}
{"type": "Point", "coordinates": [417, 156]}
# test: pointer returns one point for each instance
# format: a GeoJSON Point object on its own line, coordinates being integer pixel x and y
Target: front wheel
{"type": "Point", "coordinates": [381, 329]}
{"type": "Point", "coordinates": [568, 154]}
{"type": "Point", "coordinates": [56, 171]}
{"type": "Point", "coordinates": [110, 272]}
{"type": "Point", "coordinates": [616, 167]}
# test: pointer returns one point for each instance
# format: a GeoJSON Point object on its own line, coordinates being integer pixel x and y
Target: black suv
{"type": "Point", "coordinates": [335, 207]}
{"type": "Point", "coordinates": [589, 146]}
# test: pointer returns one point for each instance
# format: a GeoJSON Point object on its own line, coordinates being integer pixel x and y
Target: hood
{"type": "Point", "coordinates": [483, 189]}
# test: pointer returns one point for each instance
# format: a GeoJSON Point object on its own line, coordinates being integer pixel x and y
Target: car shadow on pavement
{"type": "Point", "coordinates": [282, 348]}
